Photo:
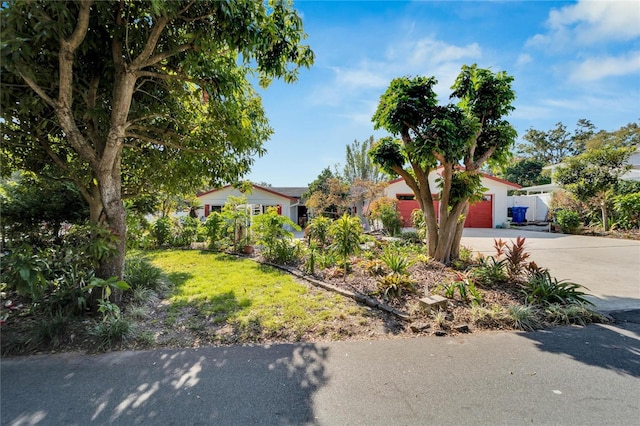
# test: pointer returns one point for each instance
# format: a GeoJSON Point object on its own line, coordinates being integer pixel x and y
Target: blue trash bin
{"type": "Point", "coordinates": [519, 214]}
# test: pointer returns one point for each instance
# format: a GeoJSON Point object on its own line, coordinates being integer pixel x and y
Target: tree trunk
{"type": "Point", "coordinates": [447, 234]}
{"type": "Point", "coordinates": [455, 247]}
{"type": "Point", "coordinates": [605, 216]}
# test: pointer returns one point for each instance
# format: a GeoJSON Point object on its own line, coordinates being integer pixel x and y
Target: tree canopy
{"type": "Point", "coordinates": [123, 96]}
{"type": "Point", "coordinates": [525, 172]}
{"type": "Point", "coordinates": [554, 145]}
{"type": "Point", "coordinates": [470, 133]}
{"type": "Point", "coordinates": [359, 165]}
{"type": "Point", "coordinates": [593, 176]}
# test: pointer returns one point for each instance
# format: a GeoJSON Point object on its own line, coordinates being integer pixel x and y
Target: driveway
{"type": "Point", "coordinates": [609, 268]}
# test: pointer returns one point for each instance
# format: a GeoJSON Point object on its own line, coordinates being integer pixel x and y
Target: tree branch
{"type": "Point", "coordinates": [140, 62]}
{"type": "Point", "coordinates": [165, 143]}
{"type": "Point", "coordinates": [39, 91]}
{"type": "Point", "coordinates": [164, 55]}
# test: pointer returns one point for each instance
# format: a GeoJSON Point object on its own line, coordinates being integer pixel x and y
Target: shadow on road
{"type": "Point", "coordinates": [235, 385]}
{"type": "Point", "coordinates": [614, 346]}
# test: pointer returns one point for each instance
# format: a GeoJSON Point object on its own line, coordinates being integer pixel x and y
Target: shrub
{"type": "Point", "coordinates": [345, 233]}
{"type": "Point", "coordinates": [543, 289]}
{"type": "Point", "coordinates": [393, 285]}
{"type": "Point", "coordinates": [383, 210]}
{"type": "Point", "coordinates": [576, 313]}
{"type": "Point", "coordinates": [417, 218]}
{"type": "Point", "coordinates": [412, 237]}
{"type": "Point", "coordinates": [318, 230]}
{"type": "Point", "coordinates": [391, 221]}
{"type": "Point", "coordinates": [214, 229]}
{"type": "Point", "coordinates": [269, 230]}
{"type": "Point", "coordinates": [188, 230]}
{"type": "Point", "coordinates": [396, 261]}
{"type": "Point", "coordinates": [26, 272]}
{"type": "Point", "coordinates": [628, 207]}
{"type": "Point", "coordinates": [489, 271]}
{"type": "Point", "coordinates": [568, 220]}
{"type": "Point", "coordinates": [163, 231]}
{"type": "Point", "coordinates": [140, 273]}
{"type": "Point", "coordinates": [524, 317]}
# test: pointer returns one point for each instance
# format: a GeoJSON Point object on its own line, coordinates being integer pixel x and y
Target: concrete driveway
{"type": "Point", "coordinates": [609, 268]}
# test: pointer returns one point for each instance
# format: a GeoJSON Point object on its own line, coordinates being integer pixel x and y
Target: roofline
{"type": "Point", "coordinates": [497, 179]}
{"type": "Point", "coordinates": [254, 186]}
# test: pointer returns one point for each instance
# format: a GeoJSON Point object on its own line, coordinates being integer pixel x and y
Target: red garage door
{"type": "Point", "coordinates": [407, 204]}
{"type": "Point", "coordinates": [480, 214]}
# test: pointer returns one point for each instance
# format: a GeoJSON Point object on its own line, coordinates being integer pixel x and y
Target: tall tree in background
{"type": "Point", "coordinates": [359, 165]}
{"type": "Point", "coordinates": [103, 92]}
{"type": "Point", "coordinates": [366, 178]}
{"type": "Point", "coordinates": [471, 133]}
{"type": "Point", "coordinates": [625, 136]}
{"type": "Point", "coordinates": [525, 172]}
{"type": "Point", "coordinates": [553, 146]}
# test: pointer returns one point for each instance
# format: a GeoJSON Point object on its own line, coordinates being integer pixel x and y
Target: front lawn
{"type": "Point", "coordinates": [227, 299]}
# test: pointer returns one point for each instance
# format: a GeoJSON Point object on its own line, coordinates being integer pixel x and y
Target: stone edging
{"type": "Point", "coordinates": [369, 301]}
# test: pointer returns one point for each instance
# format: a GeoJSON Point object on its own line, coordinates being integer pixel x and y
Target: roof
{"type": "Point", "coordinates": [293, 193]}
{"type": "Point", "coordinates": [549, 187]}
{"type": "Point", "coordinates": [484, 175]}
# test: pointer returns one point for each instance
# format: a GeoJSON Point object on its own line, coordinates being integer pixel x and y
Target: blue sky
{"type": "Point", "coordinates": [570, 60]}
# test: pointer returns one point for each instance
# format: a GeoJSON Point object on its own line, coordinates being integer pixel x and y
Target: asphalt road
{"type": "Point", "coordinates": [609, 268]}
{"type": "Point", "coordinates": [568, 376]}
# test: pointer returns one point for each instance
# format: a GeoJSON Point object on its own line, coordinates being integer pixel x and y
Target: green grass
{"type": "Point", "coordinates": [257, 300]}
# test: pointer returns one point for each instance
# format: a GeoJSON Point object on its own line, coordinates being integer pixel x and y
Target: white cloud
{"type": "Point", "coordinates": [594, 69]}
{"type": "Point", "coordinates": [359, 78]}
{"type": "Point", "coordinates": [523, 59]}
{"type": "Point", "coordinates": [427, 56]}
{"type": "Point", "coordinates": [435, 52]}
{"type": "Point", "coordinates": [589, 22]}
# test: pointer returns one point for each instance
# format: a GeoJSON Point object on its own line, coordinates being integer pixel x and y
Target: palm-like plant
{"type": "Point", "coordinates": [345, 233]}
{"type": "Point", "coordinates": [318, 229]}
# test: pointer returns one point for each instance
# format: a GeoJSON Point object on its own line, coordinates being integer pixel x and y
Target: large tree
{"type": "Point", "coordinates": [554, 145]}
{"type": "Point", "coordinates": [141, 94]}
{"type": "Point", "coordinates": [593, 176]}
{"type": "Point", "coordinates": [359, 164]}
{"type": "Point", "coordinates": [457, 138]}
{"type": "Point", "coordinates": [525, 172]}
{"type": "Point", "coordinates": [625, 136]}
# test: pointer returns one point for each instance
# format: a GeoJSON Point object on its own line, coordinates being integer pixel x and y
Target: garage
{"type": "Point", "coordinates": [490, 212]}
{"type": "Point", "coordinates": [480, 214]}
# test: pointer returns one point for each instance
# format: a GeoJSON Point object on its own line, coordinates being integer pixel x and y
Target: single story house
{"type": "Point", "coordinates": [488, 213]}
{"type": "Point", "coordinates": [286, 200]}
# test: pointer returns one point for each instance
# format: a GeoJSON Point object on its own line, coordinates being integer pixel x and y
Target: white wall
{"type": "Point", "coordinates": [538, 205]}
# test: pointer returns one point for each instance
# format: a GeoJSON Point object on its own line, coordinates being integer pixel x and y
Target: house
{"type": "Point", "coordinates": [287, 200]}
{"type": "Point", "coordinates": [488, 213]}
